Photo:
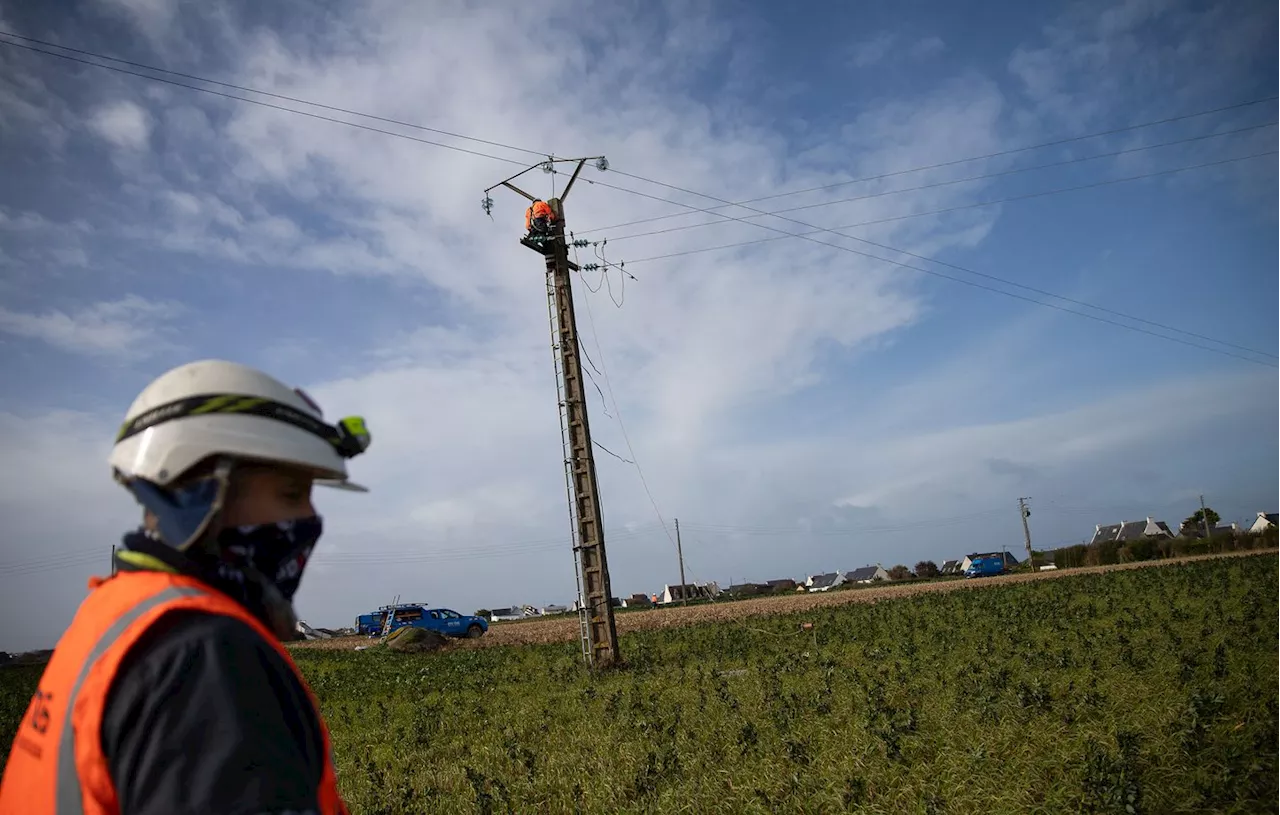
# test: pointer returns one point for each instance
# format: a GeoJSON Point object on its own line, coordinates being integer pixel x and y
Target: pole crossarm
{"type": "Point", "coordinates": [506, 182]}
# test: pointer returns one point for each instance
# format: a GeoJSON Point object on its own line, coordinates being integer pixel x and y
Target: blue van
{"type": "Point", "coordinates": [985, 567]}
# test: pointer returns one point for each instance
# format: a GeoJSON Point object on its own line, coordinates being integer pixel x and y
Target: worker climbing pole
{"type": "Point", "coordinates": [545, 234]}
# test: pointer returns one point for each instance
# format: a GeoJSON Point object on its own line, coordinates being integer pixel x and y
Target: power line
{"type": "Point", "coordinates": [973, 205]}
{"type": "Point", "coordinates": [685, 206]}
{"type": "Point", "coordinates": [615, 455]}
{"type": "Point", "coordinates": [1041, 145]}
{"type": "Point", "coordinates": [807, 237]}
{"type": "Point", "coordinates": [836, 230]}
{"type": "Point", "coordinates": [274, 95]}
{"type": "Point", "coordinates": [269, 104]}
{"type": "Point", "coordinates": [541, 153]}
{"type": "Point", "coordinates": [635, 461]}
{"type": "Point", "coordinates": [724, 219]}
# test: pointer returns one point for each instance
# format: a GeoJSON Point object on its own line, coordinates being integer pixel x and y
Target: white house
{"type": "Point", "coordinates": [1131, 530]}
{"type": "Point", "coordinates": [867, 575]}
{"type": "Point", "coordinates": [1266, 520]}
{"type": "Point", "coordinates": [501, 614]}
{"type": "Point", "coordinates": [823, 582]}
{"type": "Point", "coordinates": [689, 591]}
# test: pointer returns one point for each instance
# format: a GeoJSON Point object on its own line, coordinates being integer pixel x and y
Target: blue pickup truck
{"type": "Point", "coordinates": [985, 567]}
{"type": "Point", "coordinates": [419, 615]}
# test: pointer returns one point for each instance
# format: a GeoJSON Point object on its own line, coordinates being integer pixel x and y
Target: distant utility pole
{"type": "Point", "coordinates": [1204, 518]}
{"type": "Point", "coordinates": [113, 560]}
{"type": "Point", "coordinates": [1025, 512]}
{"type": "Point", "coordinates": [684, 599]}
{"type": "Point", "coordinates": [599, 632]}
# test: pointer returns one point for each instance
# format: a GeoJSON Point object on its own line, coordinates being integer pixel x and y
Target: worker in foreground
{"type": "Point", "coordinates": [171, 691]}
{"type": "Point", "coordinates": [538, 220]}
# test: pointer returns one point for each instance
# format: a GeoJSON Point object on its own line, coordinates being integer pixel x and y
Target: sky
{"type": "Point", "coordinates": [802, 405]}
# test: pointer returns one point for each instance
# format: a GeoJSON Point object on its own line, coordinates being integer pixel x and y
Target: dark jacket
{"type": "Point", "coordinates": [206, 717]}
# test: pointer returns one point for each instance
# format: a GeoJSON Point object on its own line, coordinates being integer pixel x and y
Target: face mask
{"type": "Point", "coordinates": [277, 551]}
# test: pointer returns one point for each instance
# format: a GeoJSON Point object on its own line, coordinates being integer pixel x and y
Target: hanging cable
{"type": "Point", "coordinates": [574, 244]}
{"type": "Point", "coordinates": [245, 89]}
{"type": "Point", "coordinates": [610, 452]}
{"type": "Point", "coordinates": [937, 184]}
{"type": "Point", "coordinates": [807, 236]}
{"type": "Point", "coordinates": [954, 162]}
{"type": "Point", "coordinates": [261, 103]}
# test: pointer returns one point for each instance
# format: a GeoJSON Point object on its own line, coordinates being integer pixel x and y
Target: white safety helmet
{"type": "Point", "coordinates": [214, 408]}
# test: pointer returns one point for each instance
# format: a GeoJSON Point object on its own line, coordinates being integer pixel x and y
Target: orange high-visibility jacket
{"type": "Point", "coordinates": [56, 765]}
{"type": "Point", "coordinates": [540, 209]}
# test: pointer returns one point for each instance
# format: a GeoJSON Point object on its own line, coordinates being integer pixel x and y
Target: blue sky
{"type": "Point", "coordinates": [799, 407]}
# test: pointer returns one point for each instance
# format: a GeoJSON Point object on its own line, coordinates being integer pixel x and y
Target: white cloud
{"type": "Point", "coordinates": [129, 326]}
{"type": "Point", "coordinates": [123, 123]}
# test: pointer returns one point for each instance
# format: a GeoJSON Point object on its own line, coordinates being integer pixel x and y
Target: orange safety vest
{"type": "Point", "coordinates": [539, 209]}
{"type": "Point", "coordinates": [56, 765]}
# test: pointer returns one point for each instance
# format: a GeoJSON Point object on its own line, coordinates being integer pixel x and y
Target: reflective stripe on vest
{"type": "Point", "coordinates": [67, 795]}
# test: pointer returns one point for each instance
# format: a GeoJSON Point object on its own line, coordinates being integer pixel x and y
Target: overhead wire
{"type": "Point", "coordinates": [934, 185]}
{"type": "Point", "coordinates": [604, 405]}
{"type": "Point", "coordinates": [954, 162]}
{"type": "Point", "coordinates": [604, 268]}
{"type": "Point", "coordinates": [943, 210]}
{"type": "Point", "coordinates": [541, 153]}
{"type": "Point", "coordinates": [615, 455]}
{"type": "Point", "coordinates": [271, 105]}
{"type": "Point", "coordinates": [686, 206]}
{"type": "Point", "coordinates": [724, 202]}
{"type": "Point", "coordinates": [275, 95]}
{"type": "Point", "coordinates": [603, 271]}
{"type": "Point", "coordinates": [808, 237]}
{"type": "Point", "coordinates": [635, 460]}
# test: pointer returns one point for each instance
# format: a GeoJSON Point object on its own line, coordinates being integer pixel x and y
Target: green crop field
{"type": "Point", "coordinates": [1151, 690]}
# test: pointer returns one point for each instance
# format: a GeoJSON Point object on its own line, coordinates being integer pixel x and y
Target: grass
{"type": "Point", "coordinates": [1151, 690]}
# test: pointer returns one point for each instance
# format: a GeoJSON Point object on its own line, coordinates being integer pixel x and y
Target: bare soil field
{"type": "Point", "coordinates": [564, 628]}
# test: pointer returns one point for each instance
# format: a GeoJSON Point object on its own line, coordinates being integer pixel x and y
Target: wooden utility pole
{"type": "Point", "coordinates": [684, 595]}
{"type": "Point", "coordinates": [1025, 511]}
{"type": "Point", "coordinates": [599, 630]}
{"type": "Point", "coordinates": [1204, 518]}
